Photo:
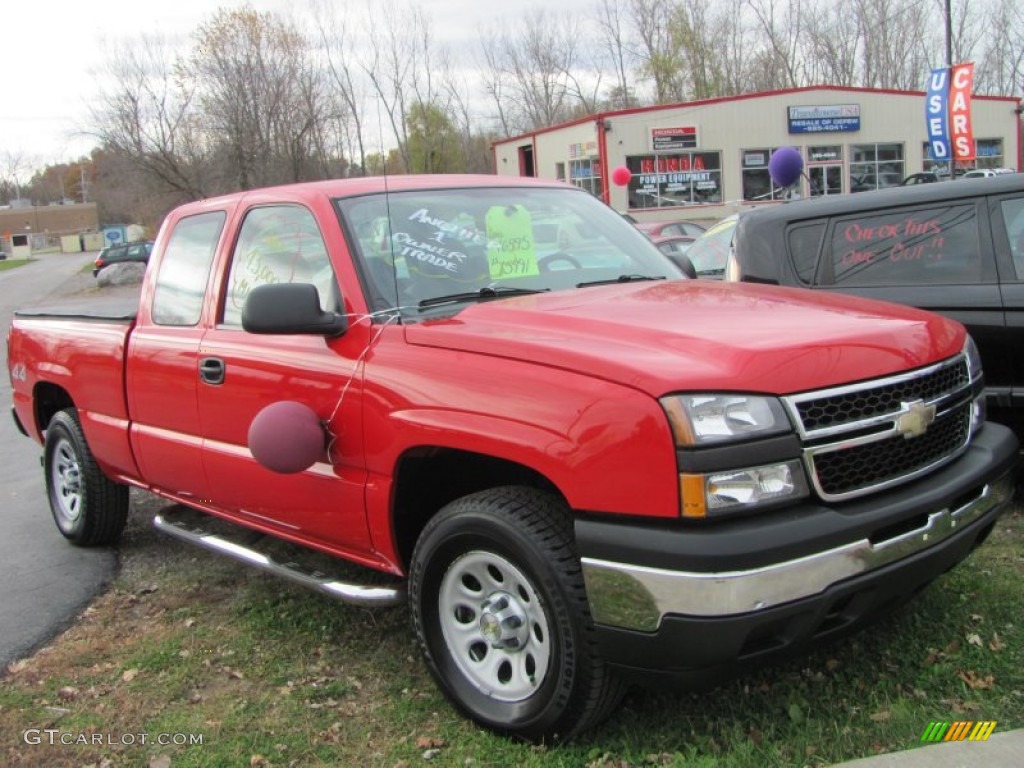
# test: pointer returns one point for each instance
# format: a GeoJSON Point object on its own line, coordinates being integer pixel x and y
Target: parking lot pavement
{"type": "Point", "coordinates": [1001, 749]}
{"type": "Point", "coordinates": [47, 582]}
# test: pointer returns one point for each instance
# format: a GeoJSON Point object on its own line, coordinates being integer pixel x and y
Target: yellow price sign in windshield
{"type": "Point", "coordinates": [510, 251]}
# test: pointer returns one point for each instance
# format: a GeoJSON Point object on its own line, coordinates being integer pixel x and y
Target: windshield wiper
{"type": "Point", "coordinates": [621, 279]}
{"type": "Point", "coordinates": [487, 292]}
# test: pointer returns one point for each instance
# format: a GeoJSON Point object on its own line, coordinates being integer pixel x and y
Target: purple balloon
{"type": "Point", "coordinates": [785, 166]}
{"type": "Point", "coordinates": [286, 437]}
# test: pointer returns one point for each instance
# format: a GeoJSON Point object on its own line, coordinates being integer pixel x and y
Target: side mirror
{"type": "Point", "coordinates": [281, 308]}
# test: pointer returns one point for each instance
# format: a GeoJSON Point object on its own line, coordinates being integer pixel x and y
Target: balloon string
{"type": "Point", "coordinates": [391, 315]}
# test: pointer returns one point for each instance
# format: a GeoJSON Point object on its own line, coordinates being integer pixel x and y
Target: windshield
{"type": "Point", "coordinates": [483, 243]}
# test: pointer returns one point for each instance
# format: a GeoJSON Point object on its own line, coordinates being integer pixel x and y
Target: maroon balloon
{"type": "Point", "coordinates": [286, 437]}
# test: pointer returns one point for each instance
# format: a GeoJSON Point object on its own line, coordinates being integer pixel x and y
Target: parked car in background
{"type": "Point", "coordinates": [710, 252]}
{"type": "Point", "coordinates": [986, 173]}
{"type": "Point", "coordinates": [658, 228]}
{"type": "Point", "coordinates": [673, 245]}
{"type": "Point", "coordinates": [926, 177]}
{"type": "Point", "coordinates": [871, 180]}
{"type": "Point", "coordinates": [115, 254]}
{"type": "Point", "coordinates": [957, 249]}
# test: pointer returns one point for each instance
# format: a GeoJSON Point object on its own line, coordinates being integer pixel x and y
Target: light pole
{"type": "Point", "coordinates": [949, 69]}
{"type": "Point", "coordinates": [949, 34]}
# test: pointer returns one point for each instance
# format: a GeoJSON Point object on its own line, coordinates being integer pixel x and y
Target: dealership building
{"type": "Point", "coordinates": [706, 159]}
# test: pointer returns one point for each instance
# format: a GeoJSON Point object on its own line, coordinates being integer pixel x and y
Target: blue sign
{"type": "Point", "coordinates": [114, 235]}
{"type": "Point", "coordinates": [937, 114]}
{"type": "Point", "coordinates": [824, 125]}
{"type": "Point", "coordinates": [829, 118]}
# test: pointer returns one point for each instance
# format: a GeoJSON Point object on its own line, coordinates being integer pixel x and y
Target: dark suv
{"type": "Point", "coordinates": [955, 248]}
{"type": "Point", "coordinates": [115, 254]}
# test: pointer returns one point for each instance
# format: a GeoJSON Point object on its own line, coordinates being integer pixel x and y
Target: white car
{"type": "Point", "coordinates": [980, 173]}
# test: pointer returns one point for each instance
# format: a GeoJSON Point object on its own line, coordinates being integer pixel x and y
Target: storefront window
{"type": "Point", "coordinates": [670, 181]}
{"type": "Point", "coordinates": [825, 170]}
{"type": "Point", "coordinates": [875, 166]}
{"type": "Point", "coordinates": [757, 182]}
{"type": "Point", "coordinates": [929, 163]}
{"type": "Point", "coordinates": [988, 154]}
{"type": "Point", "coordinates": [587, 174]}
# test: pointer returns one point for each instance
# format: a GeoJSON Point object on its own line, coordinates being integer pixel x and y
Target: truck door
{"type": "Point", "coordinates": [162, 360]}
{"type": "Point", "coordinates": [246, 373]}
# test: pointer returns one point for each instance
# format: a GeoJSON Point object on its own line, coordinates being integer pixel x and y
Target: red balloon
{"type": "Point", "coordinates": [621, 176]}
{"type": "Point", "coordinates": [286, 437]}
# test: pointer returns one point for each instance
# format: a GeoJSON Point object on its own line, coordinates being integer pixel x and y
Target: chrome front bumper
{"type": "Point", "coordinates": [638, 597]}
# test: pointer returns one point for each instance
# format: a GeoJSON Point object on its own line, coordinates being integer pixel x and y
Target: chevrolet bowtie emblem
{"type": "Point", "coordinates": [914, 418]}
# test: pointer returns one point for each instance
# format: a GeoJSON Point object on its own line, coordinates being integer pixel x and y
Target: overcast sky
{"type": "Point", "coordinates": [51, 54]}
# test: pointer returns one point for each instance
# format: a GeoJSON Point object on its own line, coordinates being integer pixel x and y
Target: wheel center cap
{"type": "Point", "coordinates": [503, 622]}
{"type": "Point", "coordinates": [490, 628]}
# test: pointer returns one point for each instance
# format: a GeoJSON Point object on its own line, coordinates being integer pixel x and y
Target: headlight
{"type": "Point", "coordinates": [717, 418]}
{"type": "Point", "coordinates": [740, 490]}
{"type": "Point", "coordinates": [973, 359]}
{"type": "Point", "coordinates": [978, 409]}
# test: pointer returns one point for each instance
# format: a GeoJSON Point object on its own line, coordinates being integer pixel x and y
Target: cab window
{"type": "Point", "coordinates": [278, 244]}
{"type": "Point", "coordinates": [931, 246]}
{"type": "Point", "coordinates": [185, 269]}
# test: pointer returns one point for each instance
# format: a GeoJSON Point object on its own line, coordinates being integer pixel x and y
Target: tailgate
{"type": "Point", "coordinates": [68, 355]}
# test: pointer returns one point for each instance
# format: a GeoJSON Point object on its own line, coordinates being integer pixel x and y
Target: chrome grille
{"type": "Point", "coordinates": [867, 436]}
{"type": "Point", "coordinates": [869, 464]}
{"type": "Point", "coordinates": [860, 404]}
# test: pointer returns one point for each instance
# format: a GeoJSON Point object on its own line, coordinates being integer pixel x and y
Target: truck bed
{"type": "Point", "coordinates": [110, 308]}
{"type": "Point", "coordinates": [76, 347]}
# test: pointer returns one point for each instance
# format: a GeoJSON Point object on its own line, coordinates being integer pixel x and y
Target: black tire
{"type": "Point", "coordinates": [501, 613]}
{"type": "Point", "coordinates": [88, 507]}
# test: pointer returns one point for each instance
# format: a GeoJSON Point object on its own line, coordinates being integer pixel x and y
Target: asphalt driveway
{"type": "Point", "coordinates": [46, 581]}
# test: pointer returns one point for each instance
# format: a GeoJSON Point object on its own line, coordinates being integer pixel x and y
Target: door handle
{"type": "Point", "coordinates": [211, 370]}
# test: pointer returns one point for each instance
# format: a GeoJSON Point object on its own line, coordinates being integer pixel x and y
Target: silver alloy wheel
{"type": "Point", "coordinates": [495, 626]}
{"type": "Point", "coordinates": [66, 476]}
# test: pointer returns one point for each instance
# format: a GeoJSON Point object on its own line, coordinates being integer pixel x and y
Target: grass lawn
{"type": "Point", "coordinates": [7, 264]}
{"type": "Point", "coordinates": [265, 674]}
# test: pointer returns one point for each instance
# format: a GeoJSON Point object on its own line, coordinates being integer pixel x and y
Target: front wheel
{"type": "Point", "coordinates": [500, 610]}
{"type": "Point", "coordinates": [88, 508]}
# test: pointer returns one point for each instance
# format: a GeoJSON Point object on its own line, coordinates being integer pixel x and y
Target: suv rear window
{"type": "Point", "coordinates": [931, 246]}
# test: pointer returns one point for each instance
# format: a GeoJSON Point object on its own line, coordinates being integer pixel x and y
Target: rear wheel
{"type": "Point", "coordinates": [500, 610]}
{"type": "Point", "coordinates": [88, 508]}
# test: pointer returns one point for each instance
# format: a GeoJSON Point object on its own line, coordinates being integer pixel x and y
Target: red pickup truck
{"type": "Point", "coordinates": [578, 468]}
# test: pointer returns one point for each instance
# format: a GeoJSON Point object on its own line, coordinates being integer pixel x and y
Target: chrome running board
{"type": "Point", "coordinates": [312, 578]}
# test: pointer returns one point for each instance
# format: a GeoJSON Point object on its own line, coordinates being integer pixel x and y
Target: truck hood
{"type": "Point", "coordinates": [662, 337]}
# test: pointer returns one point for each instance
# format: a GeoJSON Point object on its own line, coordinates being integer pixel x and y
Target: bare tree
{"type": "Point", "coordinates": [782, 29]}
{"type": "Point", "coordinates": [347, 121]}
{"type": "Point", "coordinates": [661, 60]}
{"type": "Point", "coordinates": [611, 22]}
{"type": "Point", "coordinates": [13, 167]}
{"type": "Point", "coordinates": [711, 41]}
{"type": "Point", "coordinates": [534, 70]}
{"type": "Point", "coordinates": [400, 67]}
{"type": "Point", "coordinates": [496, 83]}
{"type": "Point", "coordinates": [256, 77]}
{"type": "Point", "coordinates": [1001, 70]}
{"type": "Point", "coordinates": [148, 114]}
{"type": "Point", "coordinates": [834, 42]}
{"type": "Point", "coordinates": [897, 43]}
